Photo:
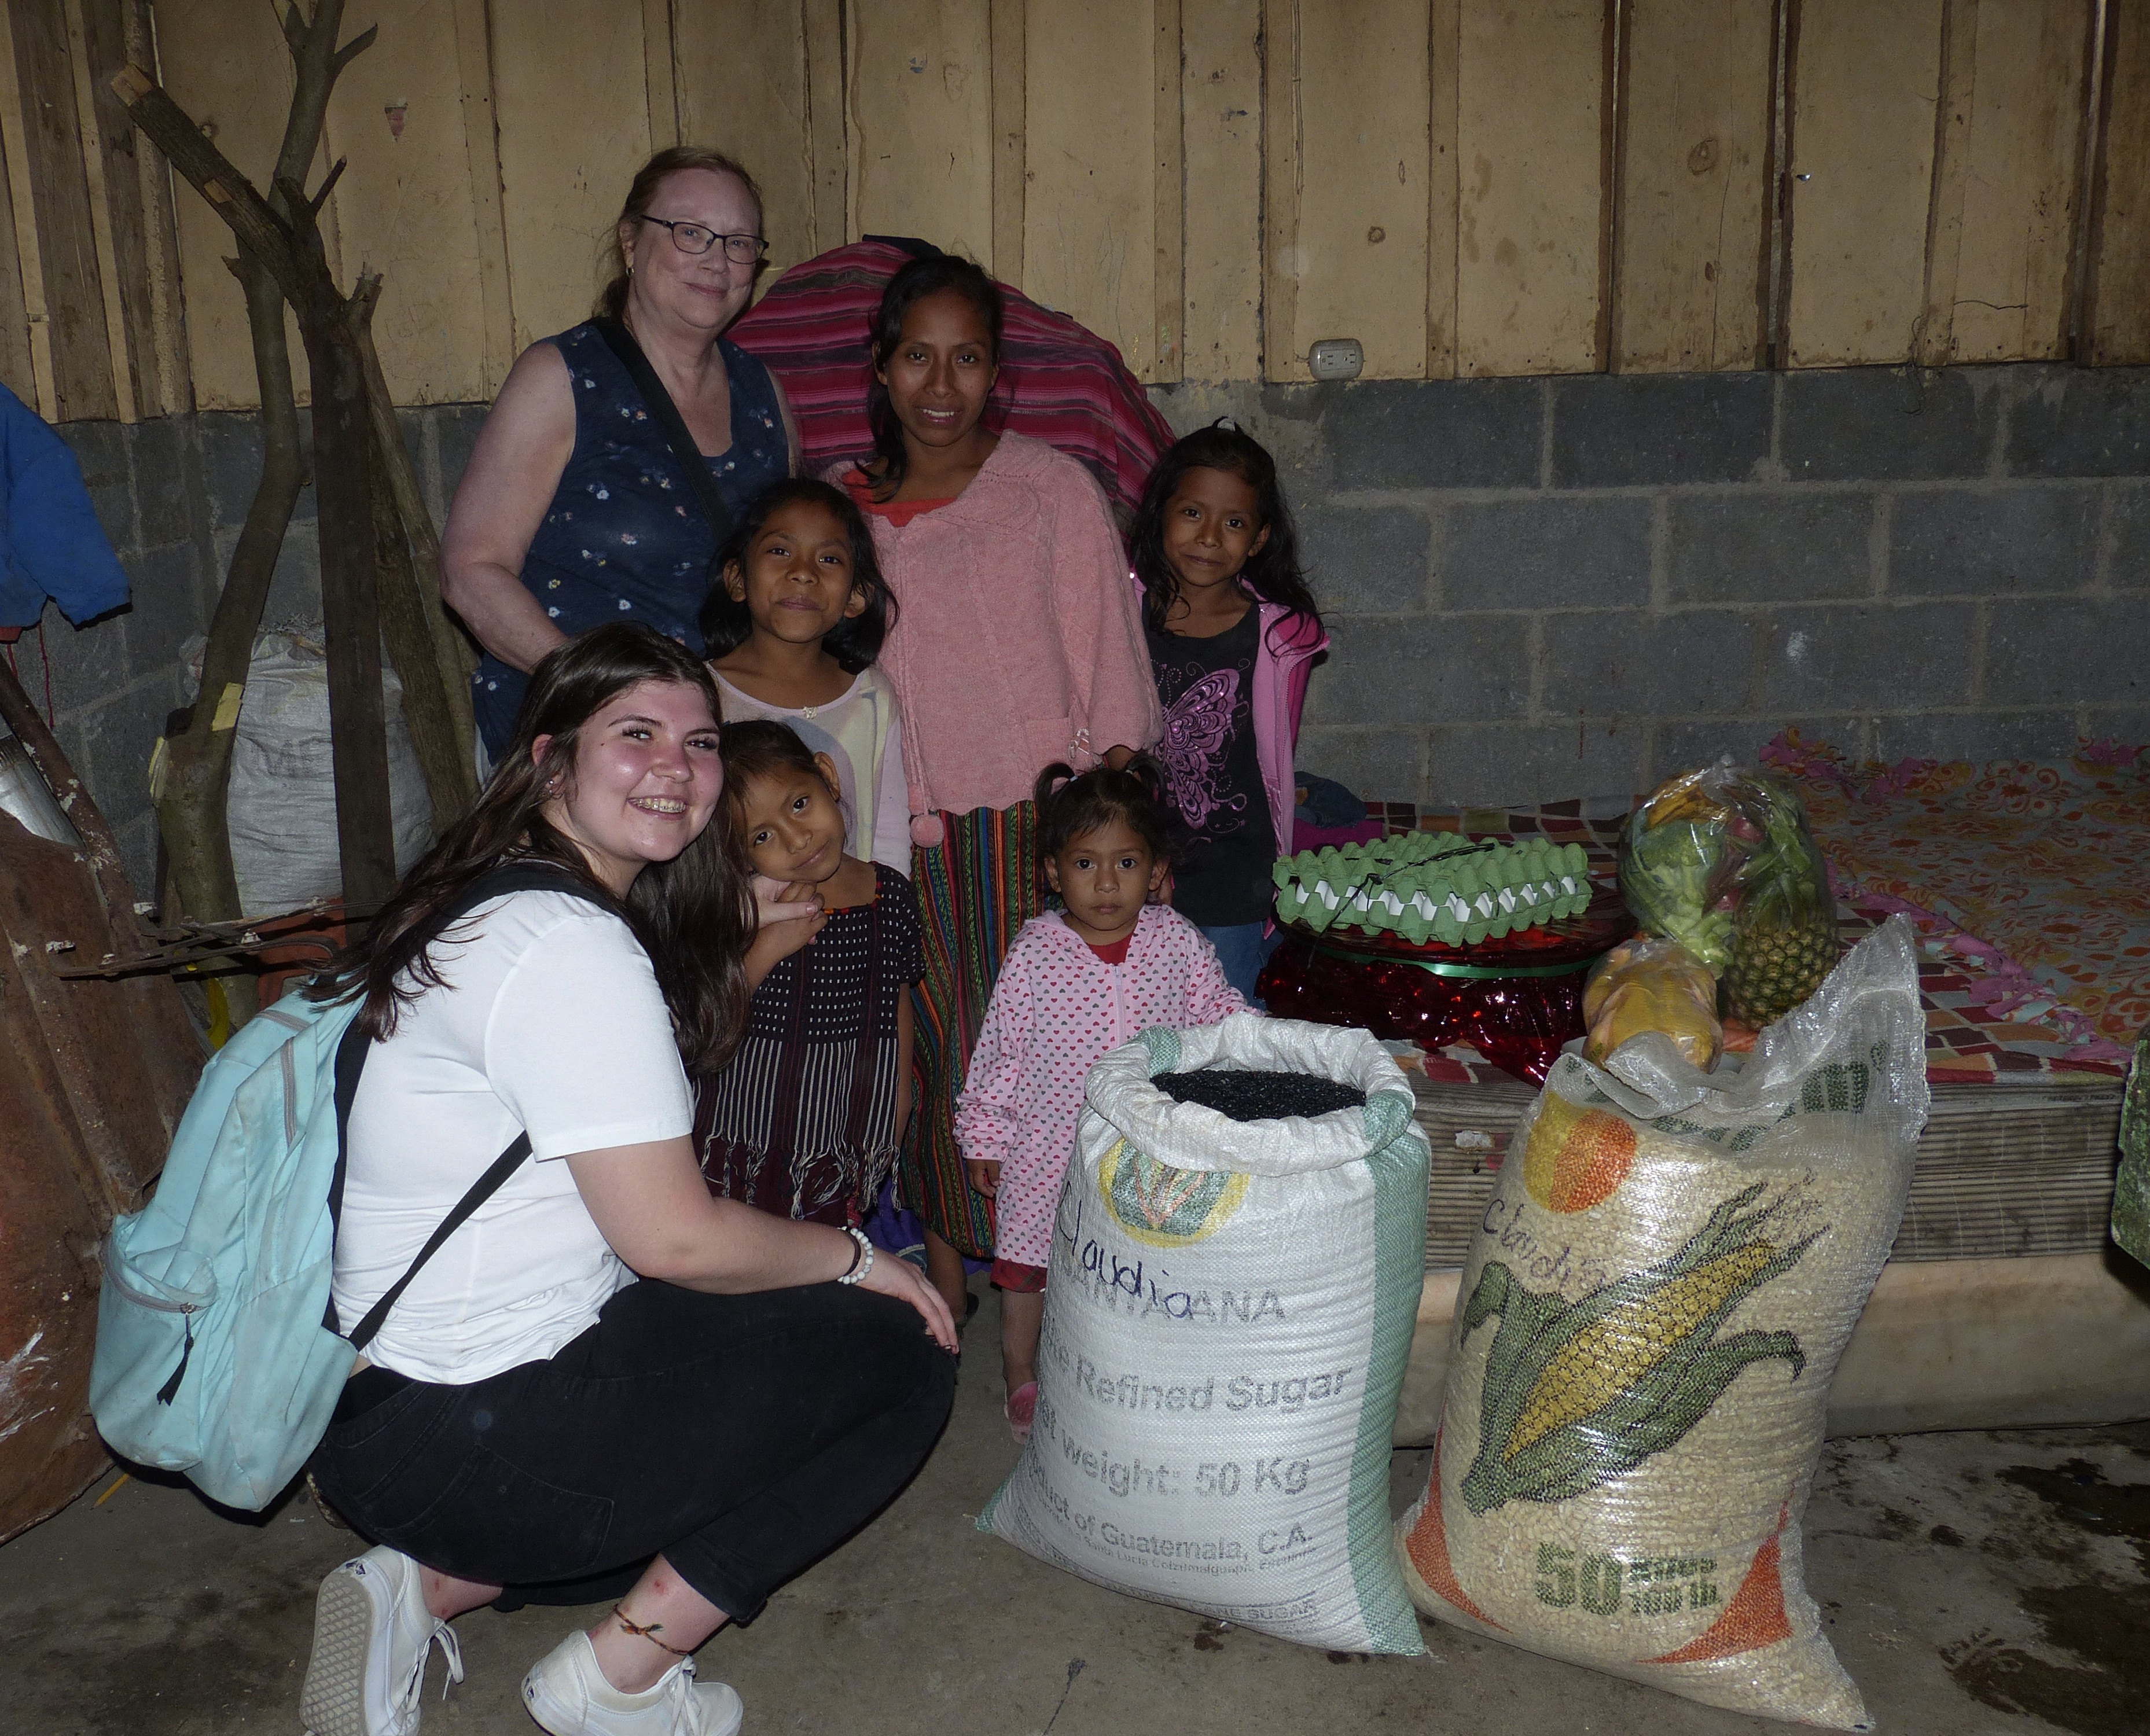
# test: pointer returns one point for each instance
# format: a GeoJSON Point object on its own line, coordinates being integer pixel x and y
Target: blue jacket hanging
{"type": "Point", "coordinates": [50, 544]}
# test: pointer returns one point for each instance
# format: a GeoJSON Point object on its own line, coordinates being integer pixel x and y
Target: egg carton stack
{"type": "Point", "coordinates": [1433, 886]}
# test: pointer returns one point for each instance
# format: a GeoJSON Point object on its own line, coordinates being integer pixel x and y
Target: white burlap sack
{"type": "Point", "coordinates": [281, 811]}
{"type": "Point", "coordinates": [1226, 1318]}
{"type": "Point", "coordinates": [1651, 1315]}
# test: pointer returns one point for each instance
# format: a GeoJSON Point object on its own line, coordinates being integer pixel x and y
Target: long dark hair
{"type": "Point", "coordinates": [855, 642]}
{"type": "Point", "coordinates": [1272, 573]}
{"type": "Point", "coordinates": [1069, 806]}
{"type": "Point", "coordinates": [910, 286]}
{"type": "Point", "coordinates": [612, 300]}
{"type": "Point", "coordinates": [694, 915]}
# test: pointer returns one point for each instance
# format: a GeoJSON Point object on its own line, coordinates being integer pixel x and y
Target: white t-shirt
{"type": "Point", "coordinates": [550, 1019]}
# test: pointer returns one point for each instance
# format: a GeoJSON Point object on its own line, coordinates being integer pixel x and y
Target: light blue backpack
{"type": "Point", "coordinates": [217, 1349]}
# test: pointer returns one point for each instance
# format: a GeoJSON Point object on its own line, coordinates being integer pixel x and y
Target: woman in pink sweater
{"type": "Point", "coordinates": [1076, 983]}
{"type": "Point", "coordinates": [1018, 643]}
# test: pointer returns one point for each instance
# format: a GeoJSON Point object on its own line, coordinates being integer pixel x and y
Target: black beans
{"type": "Point", "coordinates": [1259, 1095]}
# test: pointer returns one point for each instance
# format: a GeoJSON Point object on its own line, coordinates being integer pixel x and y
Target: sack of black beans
{"type": "Point", "coordinates": [1228, 1312]}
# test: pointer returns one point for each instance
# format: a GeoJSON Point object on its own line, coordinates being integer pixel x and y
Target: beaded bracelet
{"type": "Point", "coordinates": [862, 1261]}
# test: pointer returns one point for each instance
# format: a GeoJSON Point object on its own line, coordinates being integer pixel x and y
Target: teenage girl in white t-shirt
{"type": "Point", "coordinates": [530, 1413]}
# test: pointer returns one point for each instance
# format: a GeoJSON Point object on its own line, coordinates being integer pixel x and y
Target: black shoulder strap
{"type": "Point", "coordinates": [351, 1062]}
{"type": "Point", "coordinates": [622, 343]}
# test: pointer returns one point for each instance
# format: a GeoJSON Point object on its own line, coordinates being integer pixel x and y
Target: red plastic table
{"type": "Point", "coordinates": [1515, 1000]}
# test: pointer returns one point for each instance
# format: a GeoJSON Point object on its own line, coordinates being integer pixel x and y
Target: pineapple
{"type": "Point", "coordinates": [1783, 936]}
{"type": "Point", "coordinates": [1776, 965]}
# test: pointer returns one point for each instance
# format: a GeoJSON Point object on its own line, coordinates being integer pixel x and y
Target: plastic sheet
{"type": "Point", "coordinates": [1646, 984]}
{"type": "Point", "coordinates": [1516, 1001]}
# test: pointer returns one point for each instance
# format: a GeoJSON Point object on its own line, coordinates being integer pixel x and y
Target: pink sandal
{"type": "Point", "coordinates": [1022, 1410]}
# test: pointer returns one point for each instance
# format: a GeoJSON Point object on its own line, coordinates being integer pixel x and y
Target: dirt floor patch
{"type": "Point", "coordinates": [2104, 1623]}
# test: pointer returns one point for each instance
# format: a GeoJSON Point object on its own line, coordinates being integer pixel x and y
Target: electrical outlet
{"type": "Point", "coordinates": [1336, 358]}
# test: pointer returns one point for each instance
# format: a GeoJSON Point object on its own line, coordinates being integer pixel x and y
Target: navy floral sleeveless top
{"type": "Point", "coordinates": [624, 538]}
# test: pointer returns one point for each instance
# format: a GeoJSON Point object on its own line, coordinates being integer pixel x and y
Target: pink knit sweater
{"type": "Point", "coordinates": [1056, 1008]}
{"type": "Point", "coordinates": [1018, 638]}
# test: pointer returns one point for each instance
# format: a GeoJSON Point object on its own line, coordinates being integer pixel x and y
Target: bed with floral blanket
{"type": "Point", "coordinates": [2042, 860]}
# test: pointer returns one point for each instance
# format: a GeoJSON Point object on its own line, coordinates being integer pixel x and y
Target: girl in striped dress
{"type": "Point", "coordinates": [805, 1121]}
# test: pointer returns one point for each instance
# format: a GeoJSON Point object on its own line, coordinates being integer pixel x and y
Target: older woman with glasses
{"type": "Point", "coordinates": [576, 508]}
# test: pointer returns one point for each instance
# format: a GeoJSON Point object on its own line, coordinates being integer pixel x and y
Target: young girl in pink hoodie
{"type": "Point", "coordinates": [1077, 982]}
{"type": "Point", "coordinates": [1233, 633]}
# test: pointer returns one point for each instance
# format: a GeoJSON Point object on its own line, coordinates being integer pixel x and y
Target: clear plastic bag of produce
{"type": "Point", "coordinates": [1720, 860]}
{"type": "Point", "coordinates": [1649, 1323]}
{"type": "Point", "coordinates": [1649, 985]}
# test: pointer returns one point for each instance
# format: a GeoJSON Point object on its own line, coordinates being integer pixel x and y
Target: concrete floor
{"type": "Point", "coordinates": [1973, 1584]}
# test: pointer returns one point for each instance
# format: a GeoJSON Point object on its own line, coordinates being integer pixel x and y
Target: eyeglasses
{"type": "Point", "coordinates": [693, 237]}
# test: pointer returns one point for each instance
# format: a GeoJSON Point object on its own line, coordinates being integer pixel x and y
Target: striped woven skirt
{"type": "Point", "coordinates": [975, 890]}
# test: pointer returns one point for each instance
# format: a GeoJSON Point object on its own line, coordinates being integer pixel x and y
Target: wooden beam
{"type": "Point", "coordinates": [164, 317]}
{"type": "Point", "coordinates": [1442, 188]}
{"type": "Point", "coordinates": [408, 208]}
{"type": "Point", "coordinates": [2010, 181]}
{"type": "Point", "coordinates": [482, 153]}
{"type": "Point", "coordinates": [575, 126]}
{"type": "Point", "coordinates": [1281, 186]}
{"type": "Point", "coordinates": [825, 122]}
{"type": "Point", "coordinates": [922, 120]}
{"type": "Point", "coordinates": [112, 231]}
{"type": "Point", "coordinates": [1693, 196]}
{"type": "Point", "coordinates": [17, 370]}
{"type": "Point", "coordinates": [22, 216]}
{"type": "Point", "coordinates": [1010, 141]}
{"type": "Point", "coordinates": [1531, 147]}
{"type": "Point", "coordinates": [1221, 140]}
{"type": "Point", "coordinates": [2116, 319]}
{"type": "Point", "coordinates": [1092, 222]}
{"type": "Point", "coordinates": [745, 88]}
{"type": "Point", "coordinates": [1866, 84]}
{"type": "Point", "coordinates": [230, 195]}
{"type": "Point", "coordinates": [1168, 146]}
{"type": "Point", "coordinates": [1360, 239]}
{"type": "Point", "coordinates": [444, 657]}
{"type": "Point", "coordinates": [59, 208]}
{"type": "Point", "coordinates": [661, 71]}
{"type": "Point", "coordinates": [1958, 84]}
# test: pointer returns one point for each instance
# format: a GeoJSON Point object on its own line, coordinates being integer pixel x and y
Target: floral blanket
{"type": "Point", "coordinates": [2042, 860]}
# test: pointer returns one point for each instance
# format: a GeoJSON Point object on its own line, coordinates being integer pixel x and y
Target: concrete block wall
{"type": "Point", "coordinates": [1537, 588]}
{"type": "Point", "coordinates": [1576, 587]}
{"type": "Point", "coordinates": [171, 495]}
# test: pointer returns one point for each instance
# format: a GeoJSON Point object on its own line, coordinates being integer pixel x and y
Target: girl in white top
{"type": "Point", "coordinates": [792, 628]}
{"type": "Point", "coordinates": [532, 1413]}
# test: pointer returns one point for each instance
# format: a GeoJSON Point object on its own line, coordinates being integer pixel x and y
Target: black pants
{"type": "Point", "coordinates": [743, 1437]}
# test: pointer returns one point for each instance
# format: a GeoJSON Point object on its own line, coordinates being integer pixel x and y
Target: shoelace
{"type": "Point", "coordinates": [680, 1695]}
{"type": "Point", "coordinates": [451, 1649]}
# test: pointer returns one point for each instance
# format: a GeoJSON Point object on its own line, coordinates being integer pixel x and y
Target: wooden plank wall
{"type": "Point", "coordinates": [90, 322]}
{"type": "Point", "coordinates": [1467, 187]}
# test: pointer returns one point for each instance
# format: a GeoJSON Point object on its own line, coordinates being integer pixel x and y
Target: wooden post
{"type": "Point", "coordinates": [287, 243]}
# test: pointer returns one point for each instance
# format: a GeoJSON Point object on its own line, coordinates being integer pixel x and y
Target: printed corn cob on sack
{"type": "Point", "coordinates": [1647, 1326]}
{"type": "Point", "coordinates": [1228, 1315]}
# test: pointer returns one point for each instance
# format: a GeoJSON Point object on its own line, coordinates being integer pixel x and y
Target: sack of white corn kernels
{"type": "Point", "coordinates": [1229, 1310]}
{"type": "Point", "coordinates": [1647, 1326]}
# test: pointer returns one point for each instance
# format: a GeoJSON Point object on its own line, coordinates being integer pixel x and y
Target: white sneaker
{"type": "Point", "coordinates": [372, 1635]}
{"type": "Point", "coordinates": [568, 1695]}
